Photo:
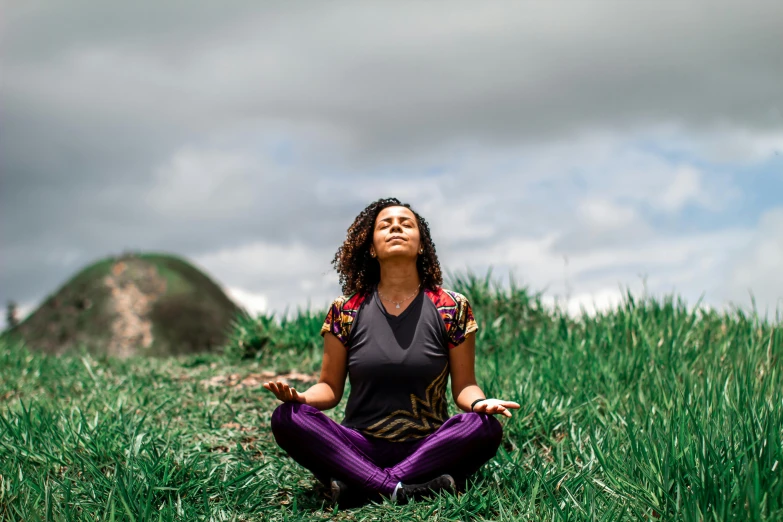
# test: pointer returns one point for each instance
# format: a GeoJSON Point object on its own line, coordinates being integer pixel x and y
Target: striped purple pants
{"type": "Point", "coordinates": [329, 450]}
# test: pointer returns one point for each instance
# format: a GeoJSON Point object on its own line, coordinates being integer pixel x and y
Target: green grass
{"type": "Point", "coordinates": [654, 411]}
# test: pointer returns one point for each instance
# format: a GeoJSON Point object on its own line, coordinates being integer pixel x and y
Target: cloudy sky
{"type": "Point", "coordinates": [580, 146]}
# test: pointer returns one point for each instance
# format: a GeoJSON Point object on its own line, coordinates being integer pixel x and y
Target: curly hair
{"type": "Point", "coordinates": [359, 272]}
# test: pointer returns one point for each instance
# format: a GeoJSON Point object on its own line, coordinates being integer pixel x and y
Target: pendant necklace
{"type": "Point", "coordinates": [403, 300]}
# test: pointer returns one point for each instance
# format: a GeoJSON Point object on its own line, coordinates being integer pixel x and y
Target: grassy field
{"type": "Point", "coordinates": [654, 411]}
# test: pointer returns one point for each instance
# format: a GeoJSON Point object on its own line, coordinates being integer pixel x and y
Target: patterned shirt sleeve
{"type": "Point", "coordinates": [463, 322]}
{"type": "Point", "coordinates": [334, 321]}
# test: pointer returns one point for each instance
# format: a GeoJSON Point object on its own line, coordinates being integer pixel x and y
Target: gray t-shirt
{"type": "Point", "coordinates": [398, 366]}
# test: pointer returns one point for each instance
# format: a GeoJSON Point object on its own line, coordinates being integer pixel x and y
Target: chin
{"type": "Point", "coordinates": [399, 252]}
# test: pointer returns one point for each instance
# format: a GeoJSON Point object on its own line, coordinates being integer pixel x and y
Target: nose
{"type": "Point", "coordinates": [396, 227]}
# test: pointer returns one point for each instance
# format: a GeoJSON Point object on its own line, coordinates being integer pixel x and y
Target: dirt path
{"type": "Point", "coordinates": [132, 329]}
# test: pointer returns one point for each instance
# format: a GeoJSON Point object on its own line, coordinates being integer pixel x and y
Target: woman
{"type": "Point", "coordinates": [398, 336]}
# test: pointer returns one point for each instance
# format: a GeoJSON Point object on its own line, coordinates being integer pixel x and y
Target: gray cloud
{"type": "Point", "coordinates": [99, 102]}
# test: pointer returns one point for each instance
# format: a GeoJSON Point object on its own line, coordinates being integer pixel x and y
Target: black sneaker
{"type": "Point", "coordinates": [410, 492]}
{"type": "Point", "coordinates": [345, 496]}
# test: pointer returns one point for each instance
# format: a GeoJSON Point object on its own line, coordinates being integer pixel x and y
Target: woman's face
{"type": "Point", "coordinates": [396, 234]}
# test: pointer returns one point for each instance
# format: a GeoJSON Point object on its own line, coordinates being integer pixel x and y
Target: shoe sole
{"type": "Point", "coordinates": [451, 488]}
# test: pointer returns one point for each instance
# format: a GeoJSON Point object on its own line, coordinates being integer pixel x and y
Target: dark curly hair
{"type": "Point", "coordinates": [359, 272]}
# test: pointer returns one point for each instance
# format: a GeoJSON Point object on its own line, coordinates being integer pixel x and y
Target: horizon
{"type": "Point", "coordinates": [572, 305]}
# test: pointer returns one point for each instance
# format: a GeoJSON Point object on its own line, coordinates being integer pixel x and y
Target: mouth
{"type": "Point", "coordinates": [396, 237]}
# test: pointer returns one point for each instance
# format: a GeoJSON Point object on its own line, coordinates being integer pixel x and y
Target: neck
{"type": "Point", "coordinates": [398, 278]}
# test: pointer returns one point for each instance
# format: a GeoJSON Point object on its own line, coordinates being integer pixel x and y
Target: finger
{"type": "Point", "coordinates": [500, 409]}
{"type": "Point", "coordinates": [285, 393]}
{"type": "Point", "coordinates": [509, 404]}
{"type": "Point", "coordinates": [296, 395]}
{"type": "Point", "coordinates": [277, 390]}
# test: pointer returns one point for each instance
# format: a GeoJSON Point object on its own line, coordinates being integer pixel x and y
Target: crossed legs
{"type": "Point", "coordinates": [459, 447]}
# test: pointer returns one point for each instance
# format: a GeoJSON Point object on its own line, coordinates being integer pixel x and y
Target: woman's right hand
{"type": "Point", "coordinates": [284, 392]}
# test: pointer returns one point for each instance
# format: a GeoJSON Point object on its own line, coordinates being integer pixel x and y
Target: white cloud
{"type": "Point", "coordinates": [254, 303]}
{"type": "Point", "coordinates": [668, 264]}
{"type": "Point", "coordinates": [198, 184]}
{"type": "Point", "coordinates": [758, 269]}
{"type": "Point", "coordinates": [265, 261]}
{"type": "Point", "coordinates": [606, 215]}
{"type": "Point", "coordinates": [275, 277]}
{"type": "Point", "coordinates": [685, 187]}
{"type": "Point", "coordinates": [590, 303]}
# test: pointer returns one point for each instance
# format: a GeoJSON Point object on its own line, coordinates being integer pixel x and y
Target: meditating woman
{"type": "Point", "coordinates": [398, 335]}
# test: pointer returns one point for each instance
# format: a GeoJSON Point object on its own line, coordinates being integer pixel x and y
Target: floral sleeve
{"type": "Point", "coordinates": [333, 321]}
{"type": "Point", "coordinates": [463, 322]}
{"type": "Point", "coordinates": [456, 312]}
{"type": "Point", "coordinates": [339, 318]}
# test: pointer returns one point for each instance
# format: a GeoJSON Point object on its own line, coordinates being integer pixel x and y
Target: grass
{"type": "Point", "coordinates": [653, 411]}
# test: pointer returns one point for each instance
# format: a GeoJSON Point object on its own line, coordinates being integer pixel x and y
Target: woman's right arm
{"type": "Point", "coordinates": [326, 394]}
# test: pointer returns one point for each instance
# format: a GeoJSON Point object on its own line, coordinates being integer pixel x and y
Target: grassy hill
{"type": "Point", "coordinates": [653, 411]}
{"type": "Point", "coordinates": [148, 304]}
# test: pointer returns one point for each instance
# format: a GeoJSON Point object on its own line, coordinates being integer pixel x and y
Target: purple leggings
{"type": "Point", "coordinates": [329, 450]}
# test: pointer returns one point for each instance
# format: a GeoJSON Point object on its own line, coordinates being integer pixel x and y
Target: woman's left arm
{"type": "Point", "coordinates": [463, 381]}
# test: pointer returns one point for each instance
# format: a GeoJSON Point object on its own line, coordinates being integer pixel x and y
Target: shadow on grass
{"type": "Point", "coordinates": [318, 498]}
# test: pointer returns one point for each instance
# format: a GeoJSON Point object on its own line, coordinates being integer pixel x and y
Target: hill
{"type": "Point", "coordinates": [135, 304]}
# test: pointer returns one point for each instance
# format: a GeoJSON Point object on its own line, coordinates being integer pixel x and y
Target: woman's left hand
{"type": "Point", "coordinates": [495, 406]}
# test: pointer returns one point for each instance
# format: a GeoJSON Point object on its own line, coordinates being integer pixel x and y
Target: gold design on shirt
{"type": "Point", "coordinates": [426, 414]}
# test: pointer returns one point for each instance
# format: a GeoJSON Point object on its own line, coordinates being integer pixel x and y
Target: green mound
{"type": "Point", "coordinates": [141, 304]}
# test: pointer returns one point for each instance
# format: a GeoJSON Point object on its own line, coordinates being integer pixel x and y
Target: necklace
{"type": "Point", "coordinates": [401, 301]}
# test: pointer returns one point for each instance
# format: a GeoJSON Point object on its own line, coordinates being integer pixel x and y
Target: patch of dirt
{"type": "Point", "coordinates": [8, 395]}
{"type": "Point", "coordinates": [132, 328]}
{"type": "Point", "coordinates": [256, 380]}
{"type": "Point", "coordinates": [237, 426]}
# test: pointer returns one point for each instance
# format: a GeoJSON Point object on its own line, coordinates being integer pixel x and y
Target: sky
{"type": "Point", "coordinates": [583, 148]}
